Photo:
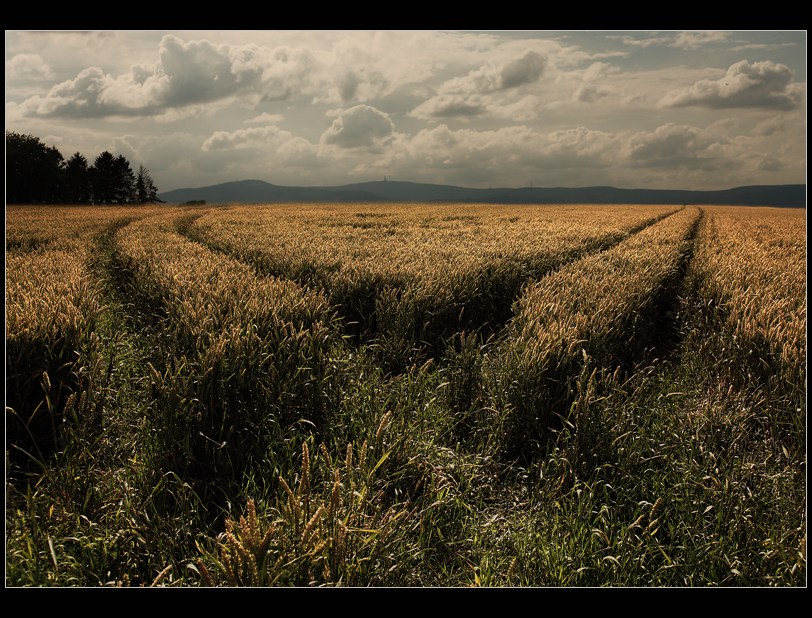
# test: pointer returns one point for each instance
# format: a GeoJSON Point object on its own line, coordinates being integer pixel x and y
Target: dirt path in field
{"type": "Point", "coordinates": [669, 321]}
{"type": "Point", "coordinates": [125, 343]}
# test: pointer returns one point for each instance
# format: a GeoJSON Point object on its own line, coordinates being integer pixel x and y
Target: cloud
{"type": "Point", "coordinates": [447, 105]}
{"type": "Point", "coordinates": [669, 145]}
{"type": "Point", "coordinates": [770, 126]}
{"type": "Point", "coordinates": [640, 42]}
{"type": "Point", "coordinates": [509, 156]}
{"type": "Point", "coordinates": [126, 145]}
{"type": "Point", "coordinates": [764, 85]}
{"type": "Point", "coordinates": [265, 118]}
{"type": "Point", "coordinates": [77, 98]}
{"type": "Point", "coordinates": [199, 71]}
{"type": "Point", "coordinates": [589, 93]}
{"type": "Point", "coordinates": [525, 109]}
{"type": "Point", "coordinates": [695, 40]}
{"type": "Point", "coordinates": [347, 82]}
{"type": "Point", "coordinates": [585, 85]}
{"type": "Point", "coordinates": [522, 70]}
{"type": "Point", "coordinates": [769, 163]}
{"type": "Point", "coordinates": [254, 137]}
{"type": "Point", "coordinates": [27, 66]}
{"type": "Point", "coordinates": [361, 126]}
{"type": "Point", "coordinates": [687, 40]}
{"type": "Point", "coordinates": [471, 95]}
{"type": "Point", "coordinates": [355, 73]}
{"type": "Point", "coordinates": [578, 146]}
{"type": "Point", "coordinates": [186, 73]}
{"type": "Point", "coordinates": [761, 46]}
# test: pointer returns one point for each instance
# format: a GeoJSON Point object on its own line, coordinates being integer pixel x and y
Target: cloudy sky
{"type": "Point", "coordinates": [665, 109]}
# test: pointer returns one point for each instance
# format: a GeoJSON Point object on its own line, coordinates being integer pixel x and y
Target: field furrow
{"type": "Point", "coordinates": [242, 352]}
{"type": "Point", "coordinates": [409, 277]}
{"type": "Point", "coordinates": [601, 310]}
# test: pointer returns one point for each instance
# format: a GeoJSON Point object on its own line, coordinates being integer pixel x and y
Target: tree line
{"type": "Point", "coordinates": [39, 174]}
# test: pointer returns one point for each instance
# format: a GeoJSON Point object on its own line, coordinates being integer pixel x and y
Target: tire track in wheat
{"type": "Point", "coordinates": [413, 308]}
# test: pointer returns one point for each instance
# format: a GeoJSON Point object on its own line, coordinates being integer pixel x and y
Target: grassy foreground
{"type": "Point", "coordinates": [406, 396]}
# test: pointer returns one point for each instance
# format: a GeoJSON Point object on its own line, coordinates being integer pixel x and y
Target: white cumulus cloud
{"type": "Point", "coordinates": [745, 85]}
{"type": "Point", "coordinates": [186, 73]}
{"type": "Point", "coordinates": [361, 126]}
{"type": "Point", "coordinates": [27, 66]}
{"type": "Point", "coordinates": [254, 137]}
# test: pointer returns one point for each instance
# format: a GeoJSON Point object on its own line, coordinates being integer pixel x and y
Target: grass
{"type": "Point", "coordinates": [636, 419]}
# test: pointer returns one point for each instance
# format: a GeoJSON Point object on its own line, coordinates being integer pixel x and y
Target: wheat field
{"type": "Point", "coordinates": [439, 395]}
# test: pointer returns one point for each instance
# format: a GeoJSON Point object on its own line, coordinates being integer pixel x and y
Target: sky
{"type": "Point", "coordinates": [674, 109]}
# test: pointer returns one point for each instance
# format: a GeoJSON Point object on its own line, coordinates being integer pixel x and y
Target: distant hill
{"type": "Point", "coordinates": [258, 192]}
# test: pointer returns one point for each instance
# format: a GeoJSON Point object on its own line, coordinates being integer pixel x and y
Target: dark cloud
{"type": "Point", "coordinates": [199, 72]}
{"type": "Point", "coordinates": [361, 126]}
{"type": "Point", "coordinates": [448, 105]}
{"type": "Point", "coordinates": [494, 76]}
{"type": "Point", "coordinates": [523, 70]}
{"type": "Point", "coordinates": [589, 93]}
{"type": "Point", "coordinates": [469, 95]}
{"type": "Point", "coordinates": [746, 85]}
{"type": "Point", "coordinates": [670, 145]}
{"type": "Point", "coordinates": [358, 82]}
{"type": "Point", "coordinates": [347, 84]}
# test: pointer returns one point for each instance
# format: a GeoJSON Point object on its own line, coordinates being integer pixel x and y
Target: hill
{"type": "Point", "coordinates": [258, 191]}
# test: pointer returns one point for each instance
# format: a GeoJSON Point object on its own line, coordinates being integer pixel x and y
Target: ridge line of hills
{"type": "Point", "coordinates": [258, 191]}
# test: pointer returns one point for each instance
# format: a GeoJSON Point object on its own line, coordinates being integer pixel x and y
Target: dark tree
{"type": "Point", "coordinates": [125, 182]}
{"type": "Point", "coordinates": [77, 180]}
{"type": "Point", "coordinates": [33, 170]}
{"type": "Point", "coordinates": [102, 178]}
{"type": "Point", "coordinates": [112, 180]}
{"type": "Point", "coordinates": [146, 191]}
{"type": "Point", "coordinates": [36, 174]}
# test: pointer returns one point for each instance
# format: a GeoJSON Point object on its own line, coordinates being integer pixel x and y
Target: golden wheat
{"type": "Point", "coordinates": [600, 297]}
{"type": "Point", "coordinates": [428, 246]}
{"type": "Point", "coordinates": [752, 263]}
{"type": "Point", "coordinates": [207, 293]}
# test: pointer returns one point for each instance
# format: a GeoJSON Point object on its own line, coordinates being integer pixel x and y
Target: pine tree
{"type": "Point", "coordinates": [77, 180]}
{"type": "Point", "coordinates": [125, 182]}
{"type": "Point", "coordinates": [145, 188]}
{"type": "Point", "coordinates": [113, 180]}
